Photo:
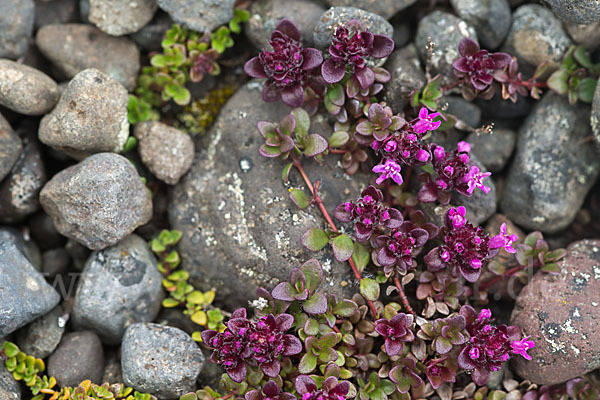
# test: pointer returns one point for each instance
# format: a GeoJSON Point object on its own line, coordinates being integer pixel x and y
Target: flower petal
{"type": "Point", "coordinates": [238, 373]}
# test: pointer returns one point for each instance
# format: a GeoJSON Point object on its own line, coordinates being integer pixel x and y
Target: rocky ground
{"type": "Point", "coordinates": [79, 286]}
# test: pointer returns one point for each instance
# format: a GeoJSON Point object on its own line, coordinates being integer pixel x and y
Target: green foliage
{"type": "Point", "coordinates": [576, 77]}
{"type": "Point", "coordinates": [429, 95]}
{"type": "Point", "coordinates": [535, 252]}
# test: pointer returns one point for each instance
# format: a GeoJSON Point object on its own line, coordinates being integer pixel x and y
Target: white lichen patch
{"type": "Point", "coordinates": [567, 326]}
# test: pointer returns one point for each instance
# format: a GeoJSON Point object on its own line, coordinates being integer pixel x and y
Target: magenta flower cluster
{"type": "Point", "coordinates": [489, 345]}
{"type": "Point", "coordinates": [331, 389]}
{"type": "Point", "coordinates": [396, 332]}
{"type": "Point", "coordinates": [287, 68]}
{"type": "Point", "coordinates": [368, 213]}
{"type": "Point", "coordinates": [401, 246]}
{"type": "Point", "coordinates": [477, 66]}
{"type": "Point", "coordinates": [259, 343]}
{"type": "Point", "coordinates": [349, 50]}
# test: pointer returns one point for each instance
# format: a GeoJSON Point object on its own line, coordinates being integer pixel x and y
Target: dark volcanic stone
{"type": "Point", "coordinates": [98, 201]}
{"type": "Point", "coordinates": [490, 18]}
{"type": "Point", "coordinates": [9, 388]}
{"type": "Point", "coordinates": [25, 295]}
{"type": "Point", "coordinates": [577, 11]}
{"type": "Point", "coordinates": [16, 27]}
{"type": "Point", "coordinates": [162, 360]}
{"type": "Point", "coordinates": [266, 14]}
{"type": "Point", "coordinates": [385, 8]}
{"type": "Point", "coordinates": [120, 285]}
{"type": "Point", "coordinates": [553, 169]}
{"type": "Point", "coordinates": [561, 314]}
{"type": "Point", "coordinates": [10, 150]}
{"type": "Point", "coordinates": [75, 47]}
{"type": "Point", "coordinates": [199, 15]}
{"type": "Point", "coordinates": [406, 75]}
{"type": "Point", "coordinates": [78, 357]}
{"type": "Point", "coordinates": [119, 17]}
{"type": "Point", "coordinates": [43, 335]}
{"type": "Point", "coordinates": [150, 36]}
{"type": "Point", "coordinates": [240, 229]}
{"type": "Point", "coordinates": [493, 150]}
{"type": "Point", "coordinates": [595, 116]}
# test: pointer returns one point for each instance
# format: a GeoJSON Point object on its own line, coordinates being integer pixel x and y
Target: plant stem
{"type": "Point", "coordinates": [405, 302]}
{"type": "Point", "coordinates": [298, 165]}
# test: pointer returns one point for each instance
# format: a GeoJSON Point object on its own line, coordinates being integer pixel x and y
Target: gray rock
{"type": "Point", "coordinates": [151, 34]}
{"type": "Point", "coordinates": [78, 253]}
{"type": "Point", "coordinates": [536, 36]}
{"type": "Point", "coordinates": [24, 244]}
{"type": "Point", "coordinates": [9, 388]}
{"type": "Point", "coordinates": [480, 205]}
{"type": "Point", "coordinates": [595, 115]}
{"type": "Point", "coordinates": [493, 150]}
{"type": "Point", "coordinates": [44, 232]}
{"type": "Point", "coordinates": [162, 360]}
{"type": "Point", "coordinates": [402, 34]}
{"type": "Point", "coordinates": [465, 111]}
{"type": "Point", "coordinates": [199, 15]}
{"type": "Point", "coordinates": [84, 10]}
{"type": "Point", "coordinates": [98, 201]}
{"type": "Point", "coordinates": [55, 261]}
{"type": "Point", "coordinates": [55, 12]}
{"type": "Point", "coordinates": [490, 18]}
{"type": "Point", "coordinates": [16, 27]}
{"type": "Point", "coordinates": [26, 90]}
{"type": "Point", "coordinates": [497, 108]}
{"type": "Point", "coordinates": [336, 16]}
{"type": "Point", "coordinates": [19, 193]}
{"type": "Point", "coordinates": [91, 117]}
{"type": "Point", "coordinates": [586, 35]}
{"type": "Point", "coordinates": [120, 17]}
{"type": "Point", "coordinates": [42, 336]}
{"type": "Point", "coordinates": [553, 169]}
{"type": "Point", "coordinates": [167, 152]}
{"type": "Point", "coordinates": [576, 11]}
{"type": "Point", "coordinates": [120, 285]}
{"type": "Point", "coordinates": [112, 371]}
{"type": "Point", "coordinates": [10, 150]}
{"type": "Point", "coordinates": [25, 295]}
{"type": "Point", "coordinates": [234, 209]}
{"type": "Point", "coordinates": [446, 31]}
{"type": "Point", "coordinates": [75, 47]}
{"type": "Point", "coordinates": [266, 14]}
{"type": "Point", "coordinates": [406, 75]}
{"type": "Point", "coordinates": [78, 357]}
{"type": "Point", "coordinates": [561, 314]}
{"type": "Point", "coordinates": [385, 8]}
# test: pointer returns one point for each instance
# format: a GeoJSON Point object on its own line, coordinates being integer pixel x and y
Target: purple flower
{"type": "Point", "coordinates": [271, 391]}
{"type": "Point", "coordinates": [425, 122]}
{"type": "Point", "coordinates": [457, 217]}
{"type": "Point", "coordinates": [474, 180]}
{"type": "Point", "coordinates": [388, 170]}
{"type": "Point", "coordinates": [287, 67]}
{"type": "Point", "coordinates": [330, 390]}
{"type": "Point", "coordinates": [488, 347]}
{"type": "Point", "coordinates": [478, 66]}
{"type": "Point", "coordinates": [504, 240]}
{"type": "Point", "coordinates": [401, 246]}
{"type": "Point", "coordinates": [520, 347]}
{"type": "Point", "coordinates": [465, 248]}
{"type": "Point", "coordinates": [404, 147]}
{"type": "Point", "coordinates": [369, 213]}
{"type": "Point", "coordinates": [259, 342]}
{"type": "Point", "coordinates": [395, 331]}
{"type": "Point", "coordinates": [349, 50]}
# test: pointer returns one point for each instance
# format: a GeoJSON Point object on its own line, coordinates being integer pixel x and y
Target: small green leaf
{"type": "Point", "coordinates": [130, 144]}
{"type": "Point", "coordinates": [189, 396]}
{"type": "Point", "coordinates": [343, 247]}
{"type": "Point", "coordinates": [316, 304]}
{"type": "Point", "coordinates": [582, 57]}
{"type": "Point", "coordinates": [551, 268]}
{"type": "Point", "coordinates": [308, 363]}
{"type": "Point", "coordinates": [345, 308]}
{"type": "Point", "coordinates": [369, 288]}
{"type": "Point", "coordinates": [558, 81]}
{"type": "Point", "coordinates": [315, 144]}
{"type": "Point", "coordinates": [196, 297]}
{"type": "Point", "coordinates": [587, 87]}
{"type": "Point", "coordinates": [360, 256]}
{"type": "Point", "coordinates": [158, 60]}
{"type": "Point", "coordinates": [299, 198]}
{"type": "Point", "coordinates": [428, 168]}
{"type": "Point", "coordinates": [338, 139]}
{"type": "Point", "coordinates": [285, 174]}
{"type": "Point", "coordinates": [169, 303]}
{"type": "Point", "coordinates": [302, 121]}
{"type": "Point", "coordinates": [199, 317]}
{"type": "Point", "coordinates": [314, 239]}
{"type": "Point", "coordinates": [10, 349]}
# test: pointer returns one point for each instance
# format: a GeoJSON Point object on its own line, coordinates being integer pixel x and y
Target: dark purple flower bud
{"type": "Point", "coordinates": [489, 345]}
{"type": "Point", "coordinates": [331, 389]}
{"type": "Point", "coordinates": [369, 213]}
{"type": "Point", "coordinates": [395, 331]}
{"type": "Point", "coordinates": [350, 47]}
{"type": "Point", "coordinates": [478, 66]}
{"type": "Point", "coordinates": [401, 246]}
{"type": "Point", "coordinates": [287, 67]}
{"type": "Point", "coordinates": [269, 392]}
{"type": "Point", "coordinates": [439, 371]}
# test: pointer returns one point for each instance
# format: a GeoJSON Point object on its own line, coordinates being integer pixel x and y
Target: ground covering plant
{"type": "Point", "coordinates": [418, 325]}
